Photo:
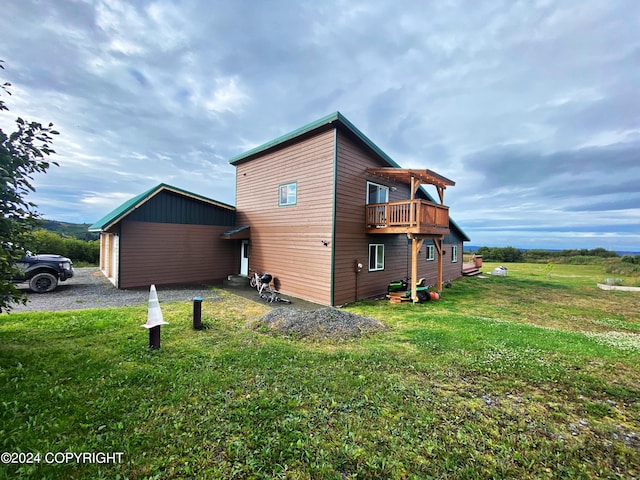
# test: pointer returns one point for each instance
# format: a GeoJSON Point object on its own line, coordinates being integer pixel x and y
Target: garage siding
{"type": "Point", "coordinates": [173, 254]}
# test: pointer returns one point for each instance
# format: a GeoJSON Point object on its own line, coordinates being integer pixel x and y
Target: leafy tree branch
{"type": "Point", "coordinates": [23, 153]}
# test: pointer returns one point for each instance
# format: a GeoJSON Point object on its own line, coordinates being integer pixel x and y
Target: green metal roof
{"type": "Point", "coordinates": [127, 207]}
{"type": "Point", "coordinates": [335, 118]}
{"type": "Point", "coordinates": [339, 120]}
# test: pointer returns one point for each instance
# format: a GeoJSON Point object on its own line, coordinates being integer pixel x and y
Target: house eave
{"type": "Point", "coordinates": [116, 215]}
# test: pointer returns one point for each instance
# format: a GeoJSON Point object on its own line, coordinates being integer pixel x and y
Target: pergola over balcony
{"type": "Point", "coordinates": [419, 219]}
{"type": "Point", "coordinates": [412, 216]}
{"type": "Point", "coordinates": [415, 178]}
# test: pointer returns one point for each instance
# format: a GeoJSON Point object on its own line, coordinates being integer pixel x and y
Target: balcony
{"type": "Point", "coordinates": [417, 216]}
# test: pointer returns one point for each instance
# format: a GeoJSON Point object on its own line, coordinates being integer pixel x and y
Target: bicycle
{"type": "Point", "coordinates": [262, 283]}
{"type": "Point", "coordinates": [272, 297]}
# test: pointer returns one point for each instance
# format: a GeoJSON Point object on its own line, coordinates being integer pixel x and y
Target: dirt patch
{"type": "Point", "coordinates": [321, 324]}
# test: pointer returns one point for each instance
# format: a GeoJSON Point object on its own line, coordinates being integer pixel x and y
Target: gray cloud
{"type": "Point", "coordinates": [531, 107]}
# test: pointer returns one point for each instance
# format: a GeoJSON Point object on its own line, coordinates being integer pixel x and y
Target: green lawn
{"type": "Point", "coordinates": [533, 375]}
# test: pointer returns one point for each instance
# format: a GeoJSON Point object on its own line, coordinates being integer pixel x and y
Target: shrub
{"type": "Point", "coordinates": [622, 267]}
{"type": "Point", "coordinates": [582, 256]}
{"type": "Point", "coordinates": [581, 260]}
{"type": "Point", "coordinates": [79, 251]}
{"type": "Point", "coordinates": [500, 254]}
{"type": "Point", "coordinates": [633, 259]}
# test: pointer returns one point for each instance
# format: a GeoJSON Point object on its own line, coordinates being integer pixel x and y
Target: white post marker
{"type": "Point", "coordinates": [154, 319]}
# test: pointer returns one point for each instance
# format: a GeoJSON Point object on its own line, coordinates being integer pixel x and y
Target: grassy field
{"type": "Point", "coordinates": [533, 375]}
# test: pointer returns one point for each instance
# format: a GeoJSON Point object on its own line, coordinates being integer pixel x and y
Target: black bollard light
{"type": "Point", "coordinates": [197, 313]}
{"type": "Point", "coordinates": [154, 337]}
{"type": "Point", "coordinates": [154, 319]}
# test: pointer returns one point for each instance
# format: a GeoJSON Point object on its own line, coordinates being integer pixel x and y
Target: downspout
{"type": "Point", "coordinates": [333, 216]}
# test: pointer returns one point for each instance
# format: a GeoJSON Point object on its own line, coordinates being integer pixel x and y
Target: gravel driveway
{"type": "Point", "coordinates": [89, 288]}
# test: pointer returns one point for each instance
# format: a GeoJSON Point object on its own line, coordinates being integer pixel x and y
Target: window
{"type": "Point", "coordinates": [288, 194]}
{"type": "Point", "coordinates": [377, 193]}
{"type": "Point", "coordinates": [376, 257]}
{"type": "Point", "coordinates": [431, 253]}
{"type": "Point", "coordinates": [454, 253]}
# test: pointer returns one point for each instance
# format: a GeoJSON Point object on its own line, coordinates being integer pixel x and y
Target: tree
{"type": "Point", "coordinates": [500, 254]}
{"type": "Point", "coordinates": [23, 153]}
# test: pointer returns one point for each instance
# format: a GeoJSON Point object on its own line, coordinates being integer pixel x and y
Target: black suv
{"type": "Point", "coordinates": [43, 271]}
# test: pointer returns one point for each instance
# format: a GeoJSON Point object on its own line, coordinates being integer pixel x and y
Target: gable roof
{"type": "Point", "coordinates": [130, 205]}
{"type": "Point", "coordinates": [335, 119]}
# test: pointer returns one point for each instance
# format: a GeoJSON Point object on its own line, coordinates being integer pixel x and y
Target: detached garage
{"type": "Point", "coordinates": [167, 236]}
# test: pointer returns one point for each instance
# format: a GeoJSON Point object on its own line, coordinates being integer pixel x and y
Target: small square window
{"type": "Point", "coordinates": [376, 257]}
{"type": "Point", "coordinates": [288, 194]}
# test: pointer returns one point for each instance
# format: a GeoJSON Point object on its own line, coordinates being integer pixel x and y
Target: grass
{"type": "Point", "coordinates": [533, 375]}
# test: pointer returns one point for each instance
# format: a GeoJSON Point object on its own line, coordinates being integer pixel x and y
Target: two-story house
{"type": "Point", "coordinates": [331, 217]}
{"type": "Point", "coordinates": [324, 199]}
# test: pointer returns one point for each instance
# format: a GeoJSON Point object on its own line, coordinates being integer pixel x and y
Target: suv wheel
{"type": "Point", "coordinates": [43, 282]}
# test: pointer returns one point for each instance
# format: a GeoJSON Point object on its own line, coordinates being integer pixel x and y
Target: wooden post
{"type": "Point", "coordinates": [415, 184]}
{"type": "Point", "coordinates": [416, 245]}
{"type": "Point", "coordinates": [438, 244]}
{"type": "Point", "coordinates": [414, 205]}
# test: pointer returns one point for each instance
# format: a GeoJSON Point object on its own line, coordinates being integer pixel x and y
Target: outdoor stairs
{"type": "Point", "coordinates": [470, 270]}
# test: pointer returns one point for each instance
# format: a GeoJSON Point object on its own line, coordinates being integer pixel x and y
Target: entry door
{"type": "Point", "coordinates": [244, 258]}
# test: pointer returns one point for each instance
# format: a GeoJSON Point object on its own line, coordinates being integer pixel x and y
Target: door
{"type": "Point", "coordinates": [244, 258]}
{"type": "Point", "coordinates": [110, 246]}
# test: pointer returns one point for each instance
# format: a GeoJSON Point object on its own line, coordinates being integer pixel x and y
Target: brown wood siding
{"type": "Point", "coordinates": [352, 243]}
{"type": "Point", "coordinates": [428, 269]}
{"type": "Point", "coordinates": [286, 241]}
{"type": "Point", "coordinates": [172, 254]}
{"type": "Point", "coordinates": [451, 270]}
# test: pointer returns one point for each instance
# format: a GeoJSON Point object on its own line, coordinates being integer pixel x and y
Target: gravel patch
{"type": "Point", "coordinates": [89, 288]}
{"type": "Point", "coordinates": [321, 324]}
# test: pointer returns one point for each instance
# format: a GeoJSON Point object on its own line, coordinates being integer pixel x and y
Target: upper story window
{"type": "Point", "coordinates": [377, 193]}
{"type": "Point", "coordinates": [288, 194]}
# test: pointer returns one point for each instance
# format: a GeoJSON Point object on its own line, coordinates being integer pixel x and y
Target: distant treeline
{"type": "Point", "coordinates": [512, 254]}
{"type": "Point", "coordinates": [612, 261]}
{"type": "Point", "coordinates": [66, 229]}
{"type": "Point", "coordinates": [80, 252]}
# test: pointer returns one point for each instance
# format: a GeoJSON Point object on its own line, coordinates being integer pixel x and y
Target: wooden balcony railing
{"type": "Point", "coordinates": [410, 216]}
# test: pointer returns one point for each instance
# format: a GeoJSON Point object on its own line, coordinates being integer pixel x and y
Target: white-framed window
{"type": "Point", "coordinates": [454, 253]}
{"type": "Point", "coordinates": [376, 257]}
{"type": "Point", "coordinates": [431, 253]}
{"type": "Point", "coordinates": [377, 193]}
{"type": "Point", "coordinates": [288, 194]}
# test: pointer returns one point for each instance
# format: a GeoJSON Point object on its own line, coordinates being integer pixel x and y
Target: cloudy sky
{"type": "Point", "coordinates": [532, 107]}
